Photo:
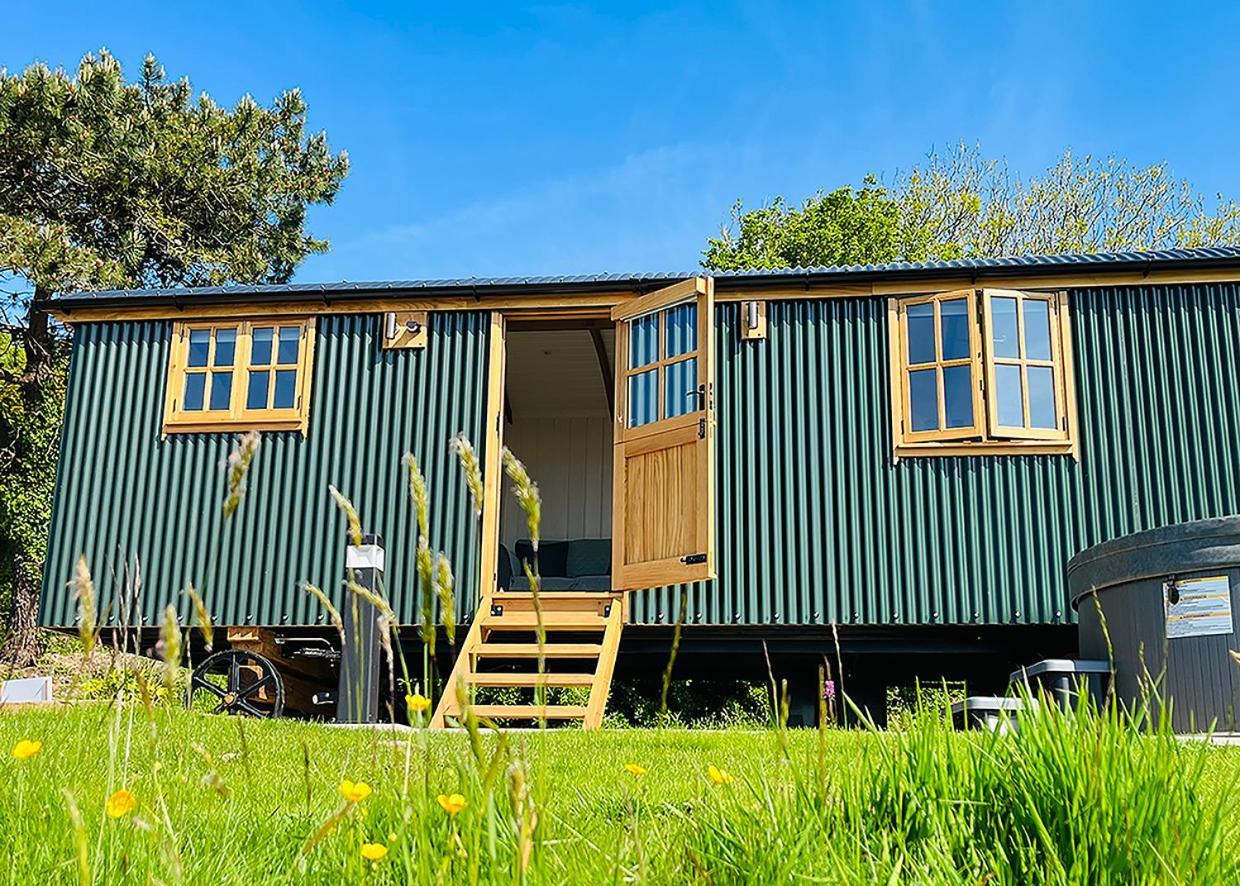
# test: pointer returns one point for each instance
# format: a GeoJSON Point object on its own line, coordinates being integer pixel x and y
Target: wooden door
{"type": "Point", "coordinates": [663, 502]}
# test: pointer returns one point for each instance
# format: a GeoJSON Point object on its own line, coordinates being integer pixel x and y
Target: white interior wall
{"type": "Point", "coordinates": [561, 430]}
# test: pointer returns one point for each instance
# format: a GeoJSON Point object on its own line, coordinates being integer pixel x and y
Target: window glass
{"type": "Point", "coordinates": [681, 394]}
{"type": "Point", "coordinates": [1003, 325]}
{"type": "Point", "coordinates": [643, 398]}
{"type": "Point", "coordinates": [289, 337]}
{"type": "Point", "coordinates": [1009, 396]}
{"type": "Point", "coordinates": [199, 346]}
{"type": "Point", "coordinates": [1042, 412]}
{"type": "Point", "coordinates": [286, 389]}
{"type": "Point", "coordinates": [681, 330]}
{"type": "Point", "coordinates": [923, 393]}
{"type": "Point", "coordinates": [260, 350]}
{"type": "Point", "coordinates": [195, 391]}
{"type": "Point", "coordinates": [1037, 330]}
{"type": "Point", "coordinates": [221, 391]}
{"type": "Point", "coordinates": [643, 340]}
{"type": "Point", "coordinates": [921, 333]}
{"type": "Point", "coordinates": [225, 347]}
{"type": "Point", "coordinates": [958, 396]}
{"type": "Point", "coordinates": [954, 323]}
{"type": "Point", "coordinates": [256, 393]}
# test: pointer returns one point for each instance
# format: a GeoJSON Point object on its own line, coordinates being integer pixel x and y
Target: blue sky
{"type": "Point", "coordinates": [513, 139]}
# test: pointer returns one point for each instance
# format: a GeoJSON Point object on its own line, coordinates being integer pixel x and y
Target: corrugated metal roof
{"type": "Point", "coordinates": [1213, 256]}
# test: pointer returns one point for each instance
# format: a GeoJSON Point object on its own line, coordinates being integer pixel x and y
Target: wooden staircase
{"type": "Point", "coordinates": [501, 650]}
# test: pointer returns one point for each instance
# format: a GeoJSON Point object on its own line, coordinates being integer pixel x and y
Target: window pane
{"type": "Point", "coordinates": [289, 337]}
{"type": "Point", "coordinates": [225, 347]}
{"type": "Point", "coordinates": [286, 389]}
{"type": "Point", "coordinates": [681, 394]}
{"type": "Point", "coordinates": [643, 398]}
{"type": "Point", "coordinates": [199, 344]}
{"type": "Point", "coordinates": [1042, 412]}
{"type": "Point", "coordinates": [1003, 325]}
{"type": "Point", "coordinates": [921, 334]}
{"type": "Point", "coordinates": [958, 396]}
{"type": "Point", "coordinates": [221, 390]}
{"type": "Point", "coordinates": [1037, 331]}
{"type": "Point", "coordinates": [643, 340]}
{"type": "Point", "coordinates": [256, 394]}
{"type": "Point", "coordinates": [195, 390]}
{"type": "Point", "coordinates": [1008, 396]}
{"type": "Point", "coordinates": [954, 318]}
{"type": "Point", "coordinates": [681, 330]}
{"type": "Point", "coordinates": [260, 350]}
{"type": "Point", "coordinates": [923, 395]}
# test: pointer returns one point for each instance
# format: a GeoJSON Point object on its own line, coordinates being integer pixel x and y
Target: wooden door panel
{"type": "Point", "coordinates": [663, 494]}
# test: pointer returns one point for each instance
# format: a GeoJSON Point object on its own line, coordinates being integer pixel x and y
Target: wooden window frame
{"type": "Point", "coordinates": [987, 437]}
{"type": "Point", "coordinates": [237, 417]}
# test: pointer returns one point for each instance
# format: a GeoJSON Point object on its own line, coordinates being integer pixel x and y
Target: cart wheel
{"type": "Point", "coordinates": [235, 677]}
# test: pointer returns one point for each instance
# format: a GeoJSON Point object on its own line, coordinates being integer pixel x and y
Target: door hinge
{"type": "Point", "coordinates": [701, 429]}
{"type": "Point", "coordinates": [693, 559]}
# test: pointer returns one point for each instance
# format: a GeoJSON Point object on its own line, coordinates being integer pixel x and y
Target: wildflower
{"type": "Point", "coordinates": [635, 770]}
{"type": "Point", "coordinates": [717, 775]}
{"type": "Point", "coordinates": [391, 836]}
{"type": "Point", "coordinates": [373, 851]}
{"type": "Point", "coordinates": [828, 690]}
{"type": "Point", "coordinates": [354, 792]}
{"type": "Point", "coordinates": [120, 804]}
{"type": "Point", "coordinates": [26, 748]}
{"type": "Point", "coordinates": [238, 466]}
{"type": "Point", "coordinates": [417, 703]}
{"type": "Point", "coordinates": [452, 803]}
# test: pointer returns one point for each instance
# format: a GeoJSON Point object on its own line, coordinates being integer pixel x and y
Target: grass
{"type": "Point", "coordinates": [223, 800]}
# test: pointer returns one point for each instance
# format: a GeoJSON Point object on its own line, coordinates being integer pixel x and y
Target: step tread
{"type": "Point", "coordinates": [551, 621]}
{"type": "Point", "coordinates": [530, 650]}
{"type": "Point", "coordinates": [530, 712]}
{"type": "Point", "coordinates": [529, 679]}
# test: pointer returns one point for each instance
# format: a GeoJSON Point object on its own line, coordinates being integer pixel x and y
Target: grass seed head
{"type": "Point", "coordinates": [470, 466]}
{"type": "Point", "coordinates": [445, 585]}
{"type": "Point", "coordinates": [170, 645]}
{"type": "Point", "coordinates": [418, 494]}
{"type": "Point", "coordinates": [332, 612]}
{"type": "Point", "coordinates": [350, 514]}
{"type": "Point", "coordinates": [526, 492]}
{"type": "Point", "coordinates": [202, 618]}
{"type": "Point", "coordinates": [83, 587]}
{"type": "Point", "coordinates": [237, 467]}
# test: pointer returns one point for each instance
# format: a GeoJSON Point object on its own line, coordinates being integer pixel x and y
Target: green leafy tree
{"type": "Point", "coordinates": [106, 183]}
{"type": "Point", "coordinates": [960, 204]}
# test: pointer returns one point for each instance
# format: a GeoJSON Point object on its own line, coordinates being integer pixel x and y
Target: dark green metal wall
{"type": "Point", "coordinates": [126, 496]}
{"type": "Point", "coordinates": [816, 525]}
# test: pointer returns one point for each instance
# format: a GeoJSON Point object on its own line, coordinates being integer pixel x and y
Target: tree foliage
{"type": "Point", "coordinates": [106, 183]}
{"type": "Point", "coordinates": [960, 204]}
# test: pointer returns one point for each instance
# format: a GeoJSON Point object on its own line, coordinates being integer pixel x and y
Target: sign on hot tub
{"type": "Point", "coordinates": [1197, 607]}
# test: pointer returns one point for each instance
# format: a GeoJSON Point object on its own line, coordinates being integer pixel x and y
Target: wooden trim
{"type": "Point", "coordinates": [1060, 432]}
{"type": "Point", "coordinates": [605, 369]}
{"type": "Point", "coordinates": [758, 332]}
{"type": "Point", "coordinates": [608, 300]}
{"type": "Point", "coordinates": [1069, 373]}
{"type": "Point", "coordinates": [660, 298]}
{"type": "Point", "coordinates": [237, 417]}
{"type": "Point", "coordinates": [985, 448]}
{"type": "Point", "coordinates": [493, 445]}
{"type": "Point", "coordinates": [906, 434]}
{"type": "Point", "coordinates": [604, 668]}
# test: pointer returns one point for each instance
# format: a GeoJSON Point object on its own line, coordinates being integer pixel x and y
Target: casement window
{"type": "Point", "coordinates": [240, 375]}
{"type": "Point", "coordinates": [984, 371]}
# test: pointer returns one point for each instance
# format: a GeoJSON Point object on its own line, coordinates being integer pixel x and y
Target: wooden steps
{"type": "Point", "coordinates": [502, 651]}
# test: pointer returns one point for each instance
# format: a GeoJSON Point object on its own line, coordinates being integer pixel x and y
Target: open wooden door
{"type": "Point", "coordinates": [663, 502]}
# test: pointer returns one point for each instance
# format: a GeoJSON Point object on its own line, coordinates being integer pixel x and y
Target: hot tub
{"type": "Point", "coordinates": [1166, 598]}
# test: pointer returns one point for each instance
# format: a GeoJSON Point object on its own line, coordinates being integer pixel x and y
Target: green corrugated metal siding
{"type": "Point", "coordinates": [125, 494]}
{"type": "Point", "coordinates": [815, 524]}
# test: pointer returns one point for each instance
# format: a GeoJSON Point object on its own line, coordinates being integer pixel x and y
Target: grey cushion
{"type": "Point", "coordinates": [588, 556]}
{"type": "Point", "coordinates": [546, 583]}
{"type": "Point", "coordinates": [592, 583]}
{"type": "Point", "coordinates": [552, 557]}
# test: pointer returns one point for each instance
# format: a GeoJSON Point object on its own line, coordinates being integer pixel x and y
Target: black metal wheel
{"type": "Point", "coordinates": [241, 683]}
